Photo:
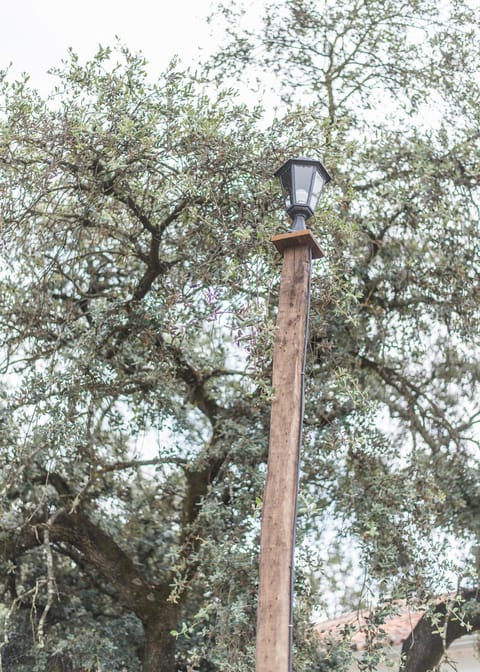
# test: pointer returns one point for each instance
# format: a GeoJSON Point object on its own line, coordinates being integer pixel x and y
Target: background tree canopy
{"type": "Point", "coordinates": [138, 294]}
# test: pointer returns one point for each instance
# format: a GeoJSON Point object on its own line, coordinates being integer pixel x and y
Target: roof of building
{"type": "Point", "coordinates": [394, 631]}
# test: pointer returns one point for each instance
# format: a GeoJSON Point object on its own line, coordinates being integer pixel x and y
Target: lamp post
{"type": "Point", "coordinates": [302, 181]}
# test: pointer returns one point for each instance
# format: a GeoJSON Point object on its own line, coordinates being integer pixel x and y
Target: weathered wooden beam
{"type": "Point", "coordinates": [274, 615]}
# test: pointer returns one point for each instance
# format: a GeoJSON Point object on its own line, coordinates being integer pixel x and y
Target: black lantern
{"type": "Point", "coordinates": [302, 182]}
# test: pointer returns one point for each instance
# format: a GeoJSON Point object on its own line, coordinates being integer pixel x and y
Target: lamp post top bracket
{"type": "Point", "coordinates": [297, 239]}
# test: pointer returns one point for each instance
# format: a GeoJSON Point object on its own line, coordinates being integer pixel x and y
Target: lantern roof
{"type": "Point", "coordinates": [302, 160]}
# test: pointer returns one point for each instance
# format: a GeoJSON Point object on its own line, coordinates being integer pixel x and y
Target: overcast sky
{"type": "Point", "coordinates": [35, 34]}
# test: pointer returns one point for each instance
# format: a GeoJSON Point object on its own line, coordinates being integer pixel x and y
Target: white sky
{"type": "Point", "coordinates": [35, 34]}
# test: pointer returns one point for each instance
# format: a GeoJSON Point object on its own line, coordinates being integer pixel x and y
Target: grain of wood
{"type": "Point", "coordinates": [274, 624]}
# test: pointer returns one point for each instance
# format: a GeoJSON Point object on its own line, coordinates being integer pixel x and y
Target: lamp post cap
{"type": "Point", "coordinates": [284, 241]}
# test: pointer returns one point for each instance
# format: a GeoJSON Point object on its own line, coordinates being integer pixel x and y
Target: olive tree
{"type": "Point", "coordinates": [138, 301]}
{"type": "Point", "coordinates": [134, 285]}
{"type": "Point", "coordinates": [396, 87]}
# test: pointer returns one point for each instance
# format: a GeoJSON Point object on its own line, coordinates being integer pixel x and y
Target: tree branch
{"type": "Point", "coordinates": [101, 552]}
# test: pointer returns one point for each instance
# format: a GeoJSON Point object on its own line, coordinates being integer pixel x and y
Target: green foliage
{"type": "Point", "coordinates": [138, 294]}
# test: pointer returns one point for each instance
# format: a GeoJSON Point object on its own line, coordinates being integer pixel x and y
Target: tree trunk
{"type": "Point", "coordinates": [160, 644]}
{"type": "Point", "coordinates": [433, 634]}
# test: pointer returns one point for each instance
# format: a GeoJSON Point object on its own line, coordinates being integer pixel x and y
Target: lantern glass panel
{"type": "Point", "coordinates": [303, 179]}
{"type": "Point", "coordinates": [286, 182]}
{"type": "Point", "coordinates": [318, 184]}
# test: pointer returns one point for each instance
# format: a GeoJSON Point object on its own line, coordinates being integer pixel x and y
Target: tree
{"type": "Point", "coordinates": [135, 217]}
{"type": "Point", "coordinates": [138, 297]}
{"type": "Point", "coordinates": [396, 85]}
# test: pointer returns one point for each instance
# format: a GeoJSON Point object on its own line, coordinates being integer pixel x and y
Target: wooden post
{"type": "Point", "coordinates": [277, 542]}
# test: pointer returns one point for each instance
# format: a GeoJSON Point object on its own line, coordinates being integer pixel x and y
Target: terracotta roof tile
{"type": "Point", "coordinates": [394, 631]}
